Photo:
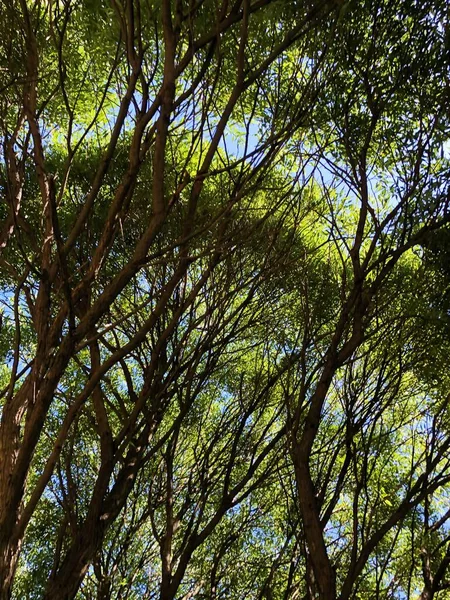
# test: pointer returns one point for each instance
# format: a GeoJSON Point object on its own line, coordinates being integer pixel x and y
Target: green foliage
{"type": "Point", "coordinates": [224, 300]}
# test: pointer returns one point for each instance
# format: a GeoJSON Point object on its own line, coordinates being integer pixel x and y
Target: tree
{"type": "Point", "coordinates": [216, 219]}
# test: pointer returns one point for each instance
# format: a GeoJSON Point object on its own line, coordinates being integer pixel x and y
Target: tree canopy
{"type": "Point", "coordinates": [224, 299]}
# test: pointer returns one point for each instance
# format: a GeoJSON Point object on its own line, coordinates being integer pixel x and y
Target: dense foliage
{"type": "Point", "coordinates": [225, 301]}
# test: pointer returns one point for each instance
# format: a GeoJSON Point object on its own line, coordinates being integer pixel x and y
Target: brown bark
{"type": "Point", "coordinates": [324, 575]}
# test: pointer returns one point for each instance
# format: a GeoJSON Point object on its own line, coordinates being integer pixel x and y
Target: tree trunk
{"type": "Point", "coordinates": [427, 593]}
{"type": "Point", "coordinates": [324, 576]}
{"type": "Point", "coordinates": [8, 565]}
{"type": "Point", "coordinates": [10, 502]}
{"type": "Point", "coordinates": [71, 573]}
